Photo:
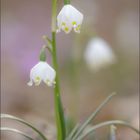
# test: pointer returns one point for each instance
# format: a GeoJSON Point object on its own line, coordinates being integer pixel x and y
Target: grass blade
{"type": "Point", "coordinates": [7, 116]}
{"type": "Point", "coordinates": [113, 132]}
{"type": "Point", "coordinates": [70, 124]}
{"type": "Point", "coordinates": [106, 123]}
{"type": "Point", "coordinates": [16, 131]}
{"type": "Point", "coordinates": [75, 129]}
{"type": "Point", "coordinates": [93, 115]}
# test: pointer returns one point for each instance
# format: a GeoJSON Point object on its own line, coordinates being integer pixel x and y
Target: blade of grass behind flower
{"type": "Point", "coordinates": [74, 130]}
{"type": "Point", "coordinates": [107, 123]}
{"type": "Point", "coordinates": [113, 132]}
{"type": "Point", "coordinates": [7, 116]}
{"type": "Point", "coordinates": [93, 115]}
{"type": "Point", "coordinates": [16, 131]}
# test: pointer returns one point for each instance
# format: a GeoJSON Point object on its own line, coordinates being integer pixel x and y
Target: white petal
{"type": "Point", "coordinates": [37, 72]}
{"type": "Point", "coordinates": [74, 15]}
{"type": "Point", "coordinates": [65, 24]}
{"type": "Point", "coordinates": [77, 29]}
{"type": "Point", "coordinates": [30, 83]}
{"type": "Point", "coordinates": [49, 75]}
{"type": "Point", "coordinates": [67, 28]}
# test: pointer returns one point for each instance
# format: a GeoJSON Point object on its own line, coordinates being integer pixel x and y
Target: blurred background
{"type": "Point", "coordinates": [23, 23]}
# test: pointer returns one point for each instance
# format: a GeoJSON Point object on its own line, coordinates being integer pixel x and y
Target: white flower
{"type": "Point", "coordinates": [42, 72]}
{"type": "Point", "coordinates": [99, 54]}
{"type": "Point", "coordinates": [68, 18]}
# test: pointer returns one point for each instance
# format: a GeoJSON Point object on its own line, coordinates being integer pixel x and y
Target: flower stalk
{"type": "Point", "coordinates": [60, 121]}
{"type": "Point", "coordinates": [66, 2]}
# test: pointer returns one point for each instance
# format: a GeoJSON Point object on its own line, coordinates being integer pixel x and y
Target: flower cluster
{"type": "Point", "coordinates": [68, 18]}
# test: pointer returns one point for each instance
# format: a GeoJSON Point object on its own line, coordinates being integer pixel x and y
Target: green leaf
{"type": "Point", "coordinates": [70, 123]}
{"type": "Point", "coordinates": [7, 116]}
{"type": "Point", "coordinates": [16, 131]}
{"type": "Point", "coordinates": [107, 123]}
{"type": "Point", "coordinates": [74, 130]}
{"type": "Point", "coordinates": [93, 115]}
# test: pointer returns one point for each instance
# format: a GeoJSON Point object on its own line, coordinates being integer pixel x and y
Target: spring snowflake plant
{"type": "Point", "coordinates": [69, 18]}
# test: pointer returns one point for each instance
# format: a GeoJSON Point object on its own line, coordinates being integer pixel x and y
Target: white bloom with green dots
{"type": "Point", "coordinates": [69, 18]}
{"type": "Point", "coordinates": [42, 71]}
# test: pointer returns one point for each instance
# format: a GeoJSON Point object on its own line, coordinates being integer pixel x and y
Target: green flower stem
{"type": "Point", "coordinates": [42, 56]}
{"type": "Point", "coordinates": [60, 121]}
{"type": "Point", "coordinates": [75, 129]}
{"type": "Point", "coordinates": [58, 105]}
{"type": "Point", "coordinates": [66, 2]}
{"type": "Point", "coordinates": [54, 9]}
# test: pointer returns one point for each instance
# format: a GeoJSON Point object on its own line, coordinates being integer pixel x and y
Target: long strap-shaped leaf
{"type": "Point", "coordinates": [7, 116]}
{"type": "Point", "coordinates": [93, 115]}
{"type": "Point", "coordinates": [106, 123]}
{"type": "Point", "coordinates": [16, 131]}
{"type": "Point", "coordinates": [113, 132]}
{"type": "Point", "coordinates": [75, 129]}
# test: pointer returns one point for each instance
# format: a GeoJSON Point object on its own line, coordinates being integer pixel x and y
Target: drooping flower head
{"type": "Point", "coordinates": [68, 18]}
{"type": "Point", "coordinates": [42, 71]}
{"type": "Point", "coordinates": [99, 54]}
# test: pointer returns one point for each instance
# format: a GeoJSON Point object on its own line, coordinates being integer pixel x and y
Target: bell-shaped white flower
{"type": "Point", "coordinates": [68, 18]}
{"type": "Point", "coordinates": [42, 72]}
{"type": "Point", "coordinates": [99, 54]}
